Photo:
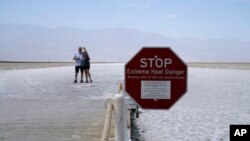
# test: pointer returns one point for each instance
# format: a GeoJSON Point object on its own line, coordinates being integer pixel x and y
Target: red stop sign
{"type": "Point", "coordinates": [156, 78]}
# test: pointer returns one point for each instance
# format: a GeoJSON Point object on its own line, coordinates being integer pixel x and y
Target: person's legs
{"type": "Point", "coordinates": [76, 73]}
{"type": "Point", "coordinates": [81, 78]}
{"type": "Point", "coordinates": [89, 76]}
{"type": "Point", "coordinates": [86, 75]}
{"type": "Point", "coordinates": [81, 74]}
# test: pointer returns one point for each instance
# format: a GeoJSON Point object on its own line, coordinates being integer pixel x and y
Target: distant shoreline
{"type": "Point", "coordinates": [49, 62]}
{"type": "Point", "coordinates": [16, 65]}
{"type": "Point", "coordinates": [221, 65]}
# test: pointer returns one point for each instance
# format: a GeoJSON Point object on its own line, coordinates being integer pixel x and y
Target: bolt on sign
{"type": "Point", "coordinates": [156, 78]}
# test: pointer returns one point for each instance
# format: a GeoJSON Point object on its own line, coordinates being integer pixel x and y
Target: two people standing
{"type": "Point", "coordinates": [82, 64]}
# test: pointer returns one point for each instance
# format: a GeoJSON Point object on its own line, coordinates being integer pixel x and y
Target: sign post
{"type": "Point", "coordinates": [155, 78]}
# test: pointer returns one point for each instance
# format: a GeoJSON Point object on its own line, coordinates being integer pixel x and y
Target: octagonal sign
{"type": "Point", "coordinates": [156, 78]}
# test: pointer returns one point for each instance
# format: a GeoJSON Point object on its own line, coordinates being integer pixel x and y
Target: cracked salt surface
{"type": "Point", "coordinates": [44, 104]}
{"type": "Point", "coordinates": [215, 99]}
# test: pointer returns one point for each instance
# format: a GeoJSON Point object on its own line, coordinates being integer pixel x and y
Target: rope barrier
{"type": "Point", "coordinates": [107, 124]}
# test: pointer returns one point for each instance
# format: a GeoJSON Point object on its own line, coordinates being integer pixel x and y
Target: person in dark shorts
{"type": "Point", "coordinates": [78, 57]}
{"type": "Point", "coordinates": [86, 65]}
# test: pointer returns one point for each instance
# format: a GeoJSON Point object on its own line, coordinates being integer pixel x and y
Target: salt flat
{"type": "Point", "coordinates": [215, 99]}
{"type": "Point", "coordinates": [44, 104]}
{"type": "Point", "coordinates": [27, 65]}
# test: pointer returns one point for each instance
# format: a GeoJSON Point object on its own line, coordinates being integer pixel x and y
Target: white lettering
{"type": "Point", "coordinates": [243, 131]}
{"type": "Point", "coordinates": [155, 62]}
{"type": "Point", "coordinates": [151, 62]}
{"type": "Point", "coordinates": [174, 72]}
{"type": "Point", "coordinates": [240, 132]}
{"type": "Point", "coordinates": [134, 71]}
{"type": "Point", "coordinates": [237, 132]}
{"type": "Point", "coordinates": [167, 62]}
{"type": "Point", "coordinates": [143, 63]}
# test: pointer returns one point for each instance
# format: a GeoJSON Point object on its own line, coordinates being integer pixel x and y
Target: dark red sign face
{"type": "Point", "coordinates": [156, 78]}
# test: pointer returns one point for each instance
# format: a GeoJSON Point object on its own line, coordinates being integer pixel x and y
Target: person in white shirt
{"type": "Point", "coordinates": [78, 57]}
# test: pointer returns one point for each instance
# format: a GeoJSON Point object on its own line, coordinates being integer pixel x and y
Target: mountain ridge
{"type": "Point", "coordinates": [30, 42]}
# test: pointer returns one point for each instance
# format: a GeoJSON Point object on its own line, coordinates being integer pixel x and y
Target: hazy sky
{"type": "Point", "coordinates": [176, 18]}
